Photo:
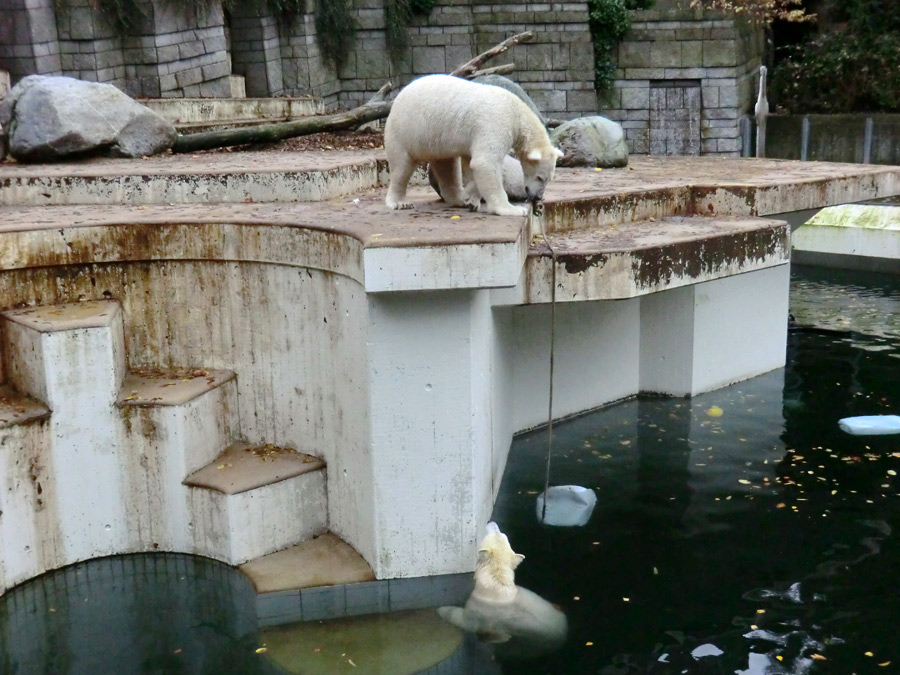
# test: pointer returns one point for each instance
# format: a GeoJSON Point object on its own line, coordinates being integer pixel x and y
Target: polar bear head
{"type": "Point", "coordinates": [538, 166]}
{"type": "Point", "coordinates": [495, 577]}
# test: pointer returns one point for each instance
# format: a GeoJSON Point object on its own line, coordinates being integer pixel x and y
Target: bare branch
{"type": "Point", "coordinates": [471, 66]}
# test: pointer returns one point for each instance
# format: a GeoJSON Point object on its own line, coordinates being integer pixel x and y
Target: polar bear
{"type": "Point", "coordinates": [502, 613]}
{"type": "Point", "coordinates": [464, 130]}
{"type": "Point", "coordinates": [513, 181]}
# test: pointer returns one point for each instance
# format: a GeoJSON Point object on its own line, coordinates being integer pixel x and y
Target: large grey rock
{"type": "Point", "coordinates": [590, 141]}
{"type": "Point", "coordinates": [509, 85]}
{"type": "Point", "coordinates": [48, 118]}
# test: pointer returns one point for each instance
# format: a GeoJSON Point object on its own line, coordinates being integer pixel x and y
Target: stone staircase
{"type": "Point", "coordinates": [100, 460]}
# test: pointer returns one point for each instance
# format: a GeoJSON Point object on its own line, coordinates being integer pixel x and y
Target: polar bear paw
{"type": "Point", "coordinates": [507, 210]}
{"type": "Point", "coordinates": [399, 205]}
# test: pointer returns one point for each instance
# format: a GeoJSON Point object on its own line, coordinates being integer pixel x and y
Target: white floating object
{"type": "Point", "coordinates": [567, 505]}
{"type": "Point", "coordinates": [871, 425]}
{"type": "Point", "coordinates": [706, 650]}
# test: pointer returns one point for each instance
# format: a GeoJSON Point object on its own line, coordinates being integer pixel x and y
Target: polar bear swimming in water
{"type": "Point", "coordinates": [464, 130]}
{"type": "Point", "coordinates": [520, 622]}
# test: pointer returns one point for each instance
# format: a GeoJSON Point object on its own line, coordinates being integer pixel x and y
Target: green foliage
{"type": "Point", "coordinates": [608, 20]}
{"type": "Point", "coordinates": [336, 30]}
{"type": "Point", "coordinates": [288, 11]}
{"type": "Point", "coordinates": [397, 16]}
{"type": "Point", "coordinates": [851, 68]}
{"type": "Point", "coordinates": [123, 15]}
{"type": "Point", "coordinates": [839, 72]}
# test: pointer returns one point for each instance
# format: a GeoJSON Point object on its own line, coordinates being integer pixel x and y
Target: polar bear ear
{"type": "Point", "coordinates": [559, 153]}
{"type": "Point", "coordinates": [533, 156]}
{"type": "Point", "coordinates": [517, 560]}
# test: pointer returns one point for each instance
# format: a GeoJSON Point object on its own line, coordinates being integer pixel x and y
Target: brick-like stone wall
{"type": "Point", "coordinates": [28, 39]}
{"type": "Point", "coordinates": [556, 67]}
{"type": "Point", "coordinates": [717, 54]}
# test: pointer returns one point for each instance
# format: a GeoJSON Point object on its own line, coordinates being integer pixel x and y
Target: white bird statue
{"type": "Point", "coordinates": [761, 112]}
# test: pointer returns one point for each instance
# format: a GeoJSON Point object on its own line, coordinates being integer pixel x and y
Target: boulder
{"type": "Point", "coordinates": [590, 141]}
{"type": "Point", "coordinates": [48, 118]}
{"type": "Point", "coordinates": [510, 86]}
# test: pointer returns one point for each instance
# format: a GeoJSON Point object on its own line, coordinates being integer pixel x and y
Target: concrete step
{"type": "Point", "coordinates": [260, 499]}
{"type": "Point", "coordinates": [325, 560]}
{"type": "Point", "coordinates": [15, 408]}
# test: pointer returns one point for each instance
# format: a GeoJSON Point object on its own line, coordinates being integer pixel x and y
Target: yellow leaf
{"type": "Point", "coordinates": [589, 644]}
{"type": "Point", "coordinates": [454, 217]}
{"type": "Point", "coordinates": [818, 657]}
{"type": "Point", "coordinates": [261, 650]}
{"type": "Point", "coordinates": [715, 411]}
{"type": "Point", "coordinates": [885, 664]}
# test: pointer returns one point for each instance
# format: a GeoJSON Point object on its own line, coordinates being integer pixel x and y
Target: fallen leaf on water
{"type": "Point", "coordinates": [818, 657]}
{"type": "Point", "coordinates": [454, 217]}
{"type": "Point", "coordinates": [715, 411]}
{"type": "Point", "coordinates": [743, 481]}
{"type": "Point", "coordinates": [261, 650]}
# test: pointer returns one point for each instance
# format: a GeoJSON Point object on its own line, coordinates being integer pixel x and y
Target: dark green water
{"type": "Point", "coordinates": [743, 519]}
{"type": "Point", "coordinates": [765, 531]}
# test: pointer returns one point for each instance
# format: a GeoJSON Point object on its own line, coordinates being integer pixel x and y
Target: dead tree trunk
{"type": "Point", "coordinates": [376, 108]}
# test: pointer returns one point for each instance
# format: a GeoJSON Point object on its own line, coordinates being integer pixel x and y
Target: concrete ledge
{"type": "Point", "coordinates": [189, 111]}
{"type": "Point", "coordinates": [632, 259]}
{"type": "Point", "coordinates": [853, 236]}
{"type": "Point", "coordinates": [150, 386]}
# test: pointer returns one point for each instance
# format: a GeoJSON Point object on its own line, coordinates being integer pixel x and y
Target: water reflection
{"type": "Point", "coordinates": [148, 614]}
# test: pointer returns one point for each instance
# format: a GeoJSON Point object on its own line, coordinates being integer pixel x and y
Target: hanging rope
{"type": "Point", "coordinates": [538, 211]}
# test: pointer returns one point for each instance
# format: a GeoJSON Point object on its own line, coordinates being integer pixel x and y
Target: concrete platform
{"type": "Point", "coordinates": [323, 561]}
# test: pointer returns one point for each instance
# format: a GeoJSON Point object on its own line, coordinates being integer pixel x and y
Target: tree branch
{"type": "Point", "coordinates": [470, 67]}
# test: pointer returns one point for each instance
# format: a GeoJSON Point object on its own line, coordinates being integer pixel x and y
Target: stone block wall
{"type": "Point", "coordinates": [556, 67]}
{"type": "Point", "coordinates": [683, 83]}
{"type": "Point", "coordinates": [28, 39]}
{"type": "Point", "coordinates": [684, 80]}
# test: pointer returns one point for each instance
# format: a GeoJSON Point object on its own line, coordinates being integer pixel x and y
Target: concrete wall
{"type": "Point", "coordinates": [675, 60]}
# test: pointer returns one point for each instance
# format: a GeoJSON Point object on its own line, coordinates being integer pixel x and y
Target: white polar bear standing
{"type": "Point", "coordinates": [464, 130]}
{"type": "Point", "coordinates": [502, 613]}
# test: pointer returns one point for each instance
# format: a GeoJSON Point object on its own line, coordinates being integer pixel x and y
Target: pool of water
{"type": "Point", "coordinates": [742, 522]}
{"type": "Point", "coordinates": [735, 532]}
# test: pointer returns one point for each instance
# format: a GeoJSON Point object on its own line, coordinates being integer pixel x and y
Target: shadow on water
{"type": "Point", "coordinates": [739, 531]}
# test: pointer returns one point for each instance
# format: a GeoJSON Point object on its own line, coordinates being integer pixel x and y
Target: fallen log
{"type": "Point", "coordinates": [375, 108]}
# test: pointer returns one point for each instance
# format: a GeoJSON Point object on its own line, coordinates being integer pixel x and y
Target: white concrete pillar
{"type": "Point", "coordinates": [72, 358]}
{"type": "Point", "coordinates": [705, 336]}
{"type": "Point", "coordinates": [430, 374]}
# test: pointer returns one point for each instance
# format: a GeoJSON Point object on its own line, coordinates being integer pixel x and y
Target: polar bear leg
{"type": "Point", "coordinates": [486, 172]}
{"type": "Point", "coordinates": [401, 169]}
{"type": "Point", "coordinates": [449, 179]}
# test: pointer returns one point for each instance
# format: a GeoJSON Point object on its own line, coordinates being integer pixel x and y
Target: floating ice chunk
{"type": "Point", "coordinates": [757, 664]}
{"type": "Point", "coordinates": [567, 505]}
{"type": "Point", "coordinates": [706, 650]}
{"type": "Point", "coordinates": [871, 425]}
